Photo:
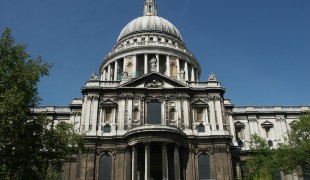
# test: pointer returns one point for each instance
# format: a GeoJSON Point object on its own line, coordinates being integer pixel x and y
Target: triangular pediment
{"type": "Point", "coordinates": [107, 103]}
{"type": "Point", "coordinates": [239, 124]}
{"type": "Point", "coordinates": [199, 103]}
{"type": "Point", "coordinates": [154, 80]}
{"type": "Point", "coordinates": [267, 124]}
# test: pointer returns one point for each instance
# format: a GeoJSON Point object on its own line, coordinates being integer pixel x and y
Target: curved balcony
{"type": "Point", "coordinates": [155, 133]}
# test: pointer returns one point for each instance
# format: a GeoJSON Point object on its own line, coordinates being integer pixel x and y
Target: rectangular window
{"type": "Point", "coordinates": [154, 113]}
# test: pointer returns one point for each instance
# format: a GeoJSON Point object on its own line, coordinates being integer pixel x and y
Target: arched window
{"type": "Point", "coordinates": [172, 114]}
{"type": "Point", "coordinates": [136, 114]}
{"type": "Point", "coordinates": [105, 165]}
{"type": "Point", "coordinates": [204, 167]}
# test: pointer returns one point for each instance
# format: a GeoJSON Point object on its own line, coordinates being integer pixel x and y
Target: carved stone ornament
{"type": "Point", "coordinates": [153, 64]}
{"type": "Point", "coordinates": [214, 97]}
{"type": "Point", "coordinates": [109, 98]}
{"type": "Point", "coordinates": [94, 76]}
{"type": "Point", "coordinates": [212, 77]}
{"type": "Point", "coordinates": [106, 151]}
{"type": "Point", "coordinates": [154, 83]}
{"type": "Point", "coordinates": [125, 75]}
{"type": "Point", "coordinates": [252, 119]}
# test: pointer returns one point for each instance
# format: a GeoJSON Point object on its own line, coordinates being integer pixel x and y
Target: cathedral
{"type": "Point", "coordinates": [147, 116]}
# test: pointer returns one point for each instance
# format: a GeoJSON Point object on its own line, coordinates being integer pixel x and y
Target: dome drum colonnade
{"type": "Point", "coordinates": [147, 44]}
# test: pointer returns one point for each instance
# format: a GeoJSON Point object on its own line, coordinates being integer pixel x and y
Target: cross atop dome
{"type": "Point", "coordinates": [150, 8]}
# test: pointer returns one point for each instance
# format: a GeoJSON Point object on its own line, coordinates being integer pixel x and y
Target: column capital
{"type": "Point", "coordinates": [177, 146]}
{"type": "Point", "coordinates": [164, 145]}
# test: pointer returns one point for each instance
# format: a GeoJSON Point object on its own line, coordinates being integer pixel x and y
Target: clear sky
{"type": "Point", "coordinates": [258, 49]}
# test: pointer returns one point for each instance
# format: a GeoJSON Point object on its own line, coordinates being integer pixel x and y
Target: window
{"type": "Point", "coordinates": [150, 8]}
{"type": "Point", "coordinates": [106, 129]}
{"type": "Point", "coordinates": [108, 115]}
{"type": "Point", "coordinates": [105, 165]}
{"type": "Point", "coordinates": [239, 133]}
{"type": "Point", "coordinates": [151, 38]}
{"type": "Point", "coordinates": [135, 114]}
{"type": "Point", "coordinates": [204, 167]}
{"type": "Point", "coordinates": [199, 114]}
{"type": "Point", "coordinates": [154, 113]}
{"type": "Point", "coordinates": [201, 128]}
{"type": "Point", "coordinates": [172, 114]}
{"type": "Point", "coordinates": [270, 143]}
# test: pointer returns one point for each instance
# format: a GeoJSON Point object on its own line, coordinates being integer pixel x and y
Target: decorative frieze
{"type": "Point", "coordinates": [214, 97]}
{"type": "Point", "coordinates": [252, 119]}
{"type": "Point", "coordinates": [212, 150]}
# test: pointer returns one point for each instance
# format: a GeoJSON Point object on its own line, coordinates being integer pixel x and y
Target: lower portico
{"type": "Point", "coordinates": [155, 160]}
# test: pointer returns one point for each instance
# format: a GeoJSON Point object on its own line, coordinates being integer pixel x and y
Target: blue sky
{"type": "Point", "coordinates": [258, 49]}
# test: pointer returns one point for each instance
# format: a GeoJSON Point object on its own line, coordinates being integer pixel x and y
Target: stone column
{"type": "Point", "coordinates": [115, 70]}
{"type": "Point", "coordinates": [178, 69]}
{"type": "Point", "coordinates": [212, 115]}
{"type": "Point", "coordinates": [104, 75]}
{"type": "Point", "coordinates": [121, 116]}
{"type": "Point", "coordinates": [134, 66]}
{"type": "Point", "coordinates": [128, 162]}
{"type": "Point", "coordinates": [167, 66]}
{"type": "Point", "coordinates": [145, 64]}
{"type": "Point", "coordinates": [186, 71]}
{"type": "Point", "coordinates": [94, 112]}
{"type": "Point", "coordinates": [134, 163]}
{"type": "Point", "coordinates": [109, 72]}
{"type": "Point", "coordinates": [238, 169]}
{"type": "Point", "coordinates": [157, 64]}
{"type": "Point", "coordinates": [177, 174]}
{"type": "Point", "coordinates": [186, 114]}
{"type": "Point", "coordinates": [219, 116]}
{"type": "Point", "coordinates": [232, 126]}
{"type": "Point", "coordinates": [193, 74]}
{"type": "Point", "coordinates": [147, 165]}
{"type": "Point", "coordinates": [164, 161]}
{"type": "Point", "coordinates": [88, 107]}
{"type": "Point", "coordinates": [99, 124]}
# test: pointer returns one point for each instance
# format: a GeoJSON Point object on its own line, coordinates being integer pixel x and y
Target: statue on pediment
{"type": "Point", "coordinates": [153, 64]}
{"type": "Point", "coordinates": [94, 76]}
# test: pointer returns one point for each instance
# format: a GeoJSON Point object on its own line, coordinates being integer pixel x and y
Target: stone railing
{"type": "Point", "coordinates": [102, 83]}
{"type": "Point", "coordinates": [51, 109]}
{"type": "Point", "coordinates": [147, 43]}
{"type": "Point", "coordinates": [272, 108]}
{"type": "Point", "coordinates": [197, 84]}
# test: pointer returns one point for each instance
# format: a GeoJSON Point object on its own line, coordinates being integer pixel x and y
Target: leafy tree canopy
{"type": "Point", "coordinates": [28, 142]}
{"type": "Point", "coordinates": [290, 157]}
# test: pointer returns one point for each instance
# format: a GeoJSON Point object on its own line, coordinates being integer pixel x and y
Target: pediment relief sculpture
{"type": "Point", "coordinates": [154, 83]}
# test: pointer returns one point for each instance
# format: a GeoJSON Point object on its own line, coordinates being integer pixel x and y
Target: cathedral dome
{"type": "Point", "coordinates": [151, 23]}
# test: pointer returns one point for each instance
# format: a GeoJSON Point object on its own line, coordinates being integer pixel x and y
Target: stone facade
{"type": "Point", "coordinates": [147, 115]}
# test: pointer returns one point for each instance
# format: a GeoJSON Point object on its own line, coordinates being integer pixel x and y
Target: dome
{"type": "Point", "coordinates": [150, 24]}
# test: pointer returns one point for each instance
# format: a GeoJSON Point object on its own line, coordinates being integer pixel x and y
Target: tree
{"type": "Point", "coordinates": [292, 156]}
{"type": "Point", "coordinates": [28, 142]}
{"type": "Point", "coordinates": [297, 150]}
{"type": "Point", "coordinates": [261, 164]}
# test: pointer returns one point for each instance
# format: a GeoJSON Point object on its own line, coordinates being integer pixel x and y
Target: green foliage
{"type": "Point", "coordinates": [261, 165]}
{"type": "Point", "coordinates": [28, 143]}
{"type": "Point", "coordinates": [297, 150]}
{"type": "Point", "coordinates": [288, 158]}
